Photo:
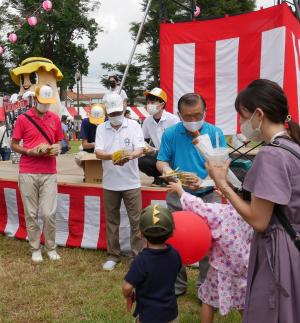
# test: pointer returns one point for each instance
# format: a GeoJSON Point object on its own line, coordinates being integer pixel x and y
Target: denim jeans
{"type": "Point", "coordinates": [5, 153]}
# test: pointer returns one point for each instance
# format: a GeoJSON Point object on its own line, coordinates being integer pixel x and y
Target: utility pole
{"type": "Point", "coordinates": [78, 78]}
{"type": "Point", "coordinates": [134, 46]}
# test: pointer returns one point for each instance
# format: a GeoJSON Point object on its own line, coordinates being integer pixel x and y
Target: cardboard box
{"type": "Point", "coordinates": [93, 169]}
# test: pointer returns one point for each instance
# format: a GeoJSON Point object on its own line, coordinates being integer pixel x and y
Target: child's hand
{"type": "Point", "coordinates": [175, 188]}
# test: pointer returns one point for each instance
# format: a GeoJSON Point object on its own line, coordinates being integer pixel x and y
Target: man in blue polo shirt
{"type": "Point", "coordinates": [178, 151]}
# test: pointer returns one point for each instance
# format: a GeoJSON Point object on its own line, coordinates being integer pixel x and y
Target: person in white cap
{"type": "Point", "coordinates": [153, 128]}
{"type": "Point", "coordinates": [41, 132]}
{"type": "Point", "coordinates": [119, 142]}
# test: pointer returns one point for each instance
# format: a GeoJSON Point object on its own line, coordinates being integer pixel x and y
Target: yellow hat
{"type": "Point", "coordinates": [44, 94]}
{"type": "Point", "coordinates": [158, 92]}
{"type": "Point", "coordinates": [33, 64]}
{"type": "Point", "coordinates": [97, 115]}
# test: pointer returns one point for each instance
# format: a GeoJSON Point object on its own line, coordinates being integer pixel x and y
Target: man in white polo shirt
{"type": "Point", "coordinates": [121, 179]}
{"type": "Point", "coordinates": [153, 129]}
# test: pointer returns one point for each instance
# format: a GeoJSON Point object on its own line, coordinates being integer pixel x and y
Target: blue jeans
{"type": "Point", "coordinates": [5, 153]}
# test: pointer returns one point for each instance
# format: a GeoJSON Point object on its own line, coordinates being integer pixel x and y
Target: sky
{"type": "Point", "coordinates": [115, 44]}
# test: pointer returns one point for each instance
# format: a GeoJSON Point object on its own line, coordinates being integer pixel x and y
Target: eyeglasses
{"type": "Point", "coordinates": [192, 117]}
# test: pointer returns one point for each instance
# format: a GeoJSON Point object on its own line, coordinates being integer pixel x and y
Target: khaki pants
{"type": "Point", "coordinates": [39, 197]}
{"type": "Point", "coordinates": [112, 203]}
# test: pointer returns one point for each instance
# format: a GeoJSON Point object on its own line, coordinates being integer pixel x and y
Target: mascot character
{"type": "Point", "coordinates": [37, 71]}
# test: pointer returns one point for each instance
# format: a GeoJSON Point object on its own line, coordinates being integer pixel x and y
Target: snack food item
{"type": "Point", "coordinates": [148, 149]}
{"type": "Point", "coordinates": [42, 148]}
{"type": "Point", "coordinates": [54, 150]}
{"type": "Point", "coordinates": [187, 178]}
{"type": "Point", "coordinates": [170, 175]}
{"type": "Point", "coordinates": [119, 155]}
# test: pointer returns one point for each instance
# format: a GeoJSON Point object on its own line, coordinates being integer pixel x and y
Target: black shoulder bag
{"type": "Point", "coordinates": [39, 128]}
{"type": "Point", "coordinates": [295, 236]}
{"type": "Point", "coordinates": [2, 137]}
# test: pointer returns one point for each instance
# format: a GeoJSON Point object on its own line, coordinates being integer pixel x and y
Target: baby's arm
{"type": "Point", "coordinates": [211, 212]}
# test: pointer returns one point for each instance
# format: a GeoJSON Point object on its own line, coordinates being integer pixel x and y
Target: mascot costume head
{"type": "Point", "coordinates": [35, 72]}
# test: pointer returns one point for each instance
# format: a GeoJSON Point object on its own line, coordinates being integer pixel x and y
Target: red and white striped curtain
{"type": "Point", "coordinates": [80, 218]}
{"type": "Point", "coordinates": [218, 58]}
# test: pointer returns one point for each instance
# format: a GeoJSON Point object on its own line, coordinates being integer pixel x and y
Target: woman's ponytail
{"type": "Point", "coordinates": [293, 129]}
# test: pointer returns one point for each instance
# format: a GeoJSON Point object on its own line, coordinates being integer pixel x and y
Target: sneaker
{"type": "Point", "coordinates": [37, 256]}
{"type": "Point", "coordinates": [53, 255]}
{"type": "Point", "coordinates": [109, 265]}
{"type": "Point", "coordinates": [158, 182]}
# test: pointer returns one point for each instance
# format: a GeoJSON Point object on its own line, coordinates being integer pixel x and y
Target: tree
{"type": "Point", "coordinates": [173, 12]}
{"type": "Point", "coordinates": [59, 34]}
{"type": "Point", "coordinates": [6, 85]}
{"type": "Point", "coordinates": [134, 84]}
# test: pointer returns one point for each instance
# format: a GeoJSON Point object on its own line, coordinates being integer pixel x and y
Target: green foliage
{"type": "Point", "coordinates": [173, 12]}
{"type": "Point", "coordinates": [134, 84]}
{"type": "Point", "coordinates": [57, 36]}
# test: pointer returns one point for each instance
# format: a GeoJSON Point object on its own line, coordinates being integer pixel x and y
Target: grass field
{"type": "Point", "coordinates": [74, 289]}
{"type": "Point", "coordinates": [74, 146]}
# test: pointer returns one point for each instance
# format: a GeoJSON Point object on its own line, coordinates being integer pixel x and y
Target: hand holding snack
{"type": "Point", "coordinates": [169, 175]}
{"type": "Point", "coordinates": [38, 151]}
{"type": "Point", "coordinates": [149, 150]}
{"type": "Point", "coordinates": [120, 157]}
{"type": "Point", "coordinates": [189, 180]}
{"type": "Point", "coordinates": [54, 150]}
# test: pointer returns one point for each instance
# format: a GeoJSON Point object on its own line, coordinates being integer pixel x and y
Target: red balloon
{"type": "Point", "coordinates": [191, 237]}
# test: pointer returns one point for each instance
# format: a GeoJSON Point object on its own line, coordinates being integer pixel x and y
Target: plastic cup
{"type": "Point", "coordinates": [218, 156]}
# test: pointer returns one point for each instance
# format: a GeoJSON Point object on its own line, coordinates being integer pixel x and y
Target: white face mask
{"type": "Point", "coordinates": [116, 121]}
{"type": "Point", "coordinates": [153, 108]}
{"type": "Point", "coordinates": [250, 133]}
{"type": "Point", "coordinates": [43, 108]}
{"type": "Point", "coordinates": [193, 126]}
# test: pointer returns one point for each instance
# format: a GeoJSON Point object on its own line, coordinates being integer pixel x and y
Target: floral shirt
{"type": "Point", "coordinates": [231, 235]}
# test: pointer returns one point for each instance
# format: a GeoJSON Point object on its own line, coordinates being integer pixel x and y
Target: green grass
{"type": "Point", "coordinates": [75, 289]}
{"type": "Point", "coordinates": [74, 146]}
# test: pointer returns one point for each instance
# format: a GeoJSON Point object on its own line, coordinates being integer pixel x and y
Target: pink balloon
{"type": "Point", "coordinates": [47, 5]}
{"type": "Point", "coordinates": [197, 11]}
{"type": "Point", "coordinates": [32, 21]}
{"type": "Point", "coordinates": [12, 38]}
{"type": "Point", "coordinates": [1, 50]}
{"type": "Point", "coordinates": [191, 237]}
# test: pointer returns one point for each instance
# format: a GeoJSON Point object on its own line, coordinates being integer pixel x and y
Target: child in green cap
{"type": "Point", "coordinates": [152, 274]}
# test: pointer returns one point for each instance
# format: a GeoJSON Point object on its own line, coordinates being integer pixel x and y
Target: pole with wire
{"type": "Point", "coordinates": [78, 78]}
{"type": "Point", "coordinates": [134, 46]}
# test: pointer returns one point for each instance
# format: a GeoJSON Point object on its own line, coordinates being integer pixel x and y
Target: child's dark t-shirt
{"type": "Point", "coordinates": [153, 273]}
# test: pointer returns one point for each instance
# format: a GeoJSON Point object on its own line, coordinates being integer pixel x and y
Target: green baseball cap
{"type": "Point", "coordinates": [156, 221]}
